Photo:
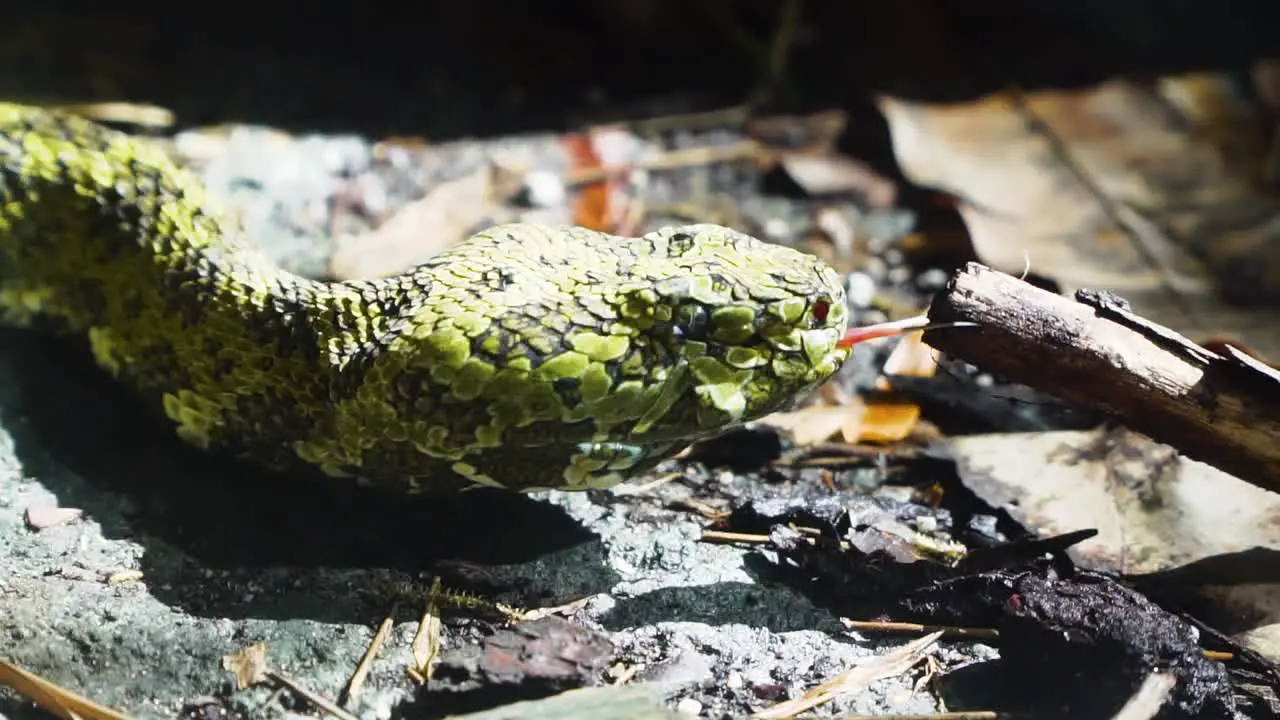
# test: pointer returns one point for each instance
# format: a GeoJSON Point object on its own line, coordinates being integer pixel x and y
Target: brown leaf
{"type": "Point", "coordinates": [420, 230]}
{"type": "Point", "coordinates": [1148, 190]}
{"type": "Point", "coordinates": [816, 423]}
{"type": "Point", "coordinates": [426, 640]}
{"type": "Point", "coordinates": [838, 174]}
{"type": "Point", "coordinates": [910, 357]}
{"type": "Point", "coordinates": [248, 665]}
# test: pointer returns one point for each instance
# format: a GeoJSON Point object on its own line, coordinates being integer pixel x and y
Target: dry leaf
{"type": "Point", "coordinates": [910, 357]}
{"type": "Point", "coordinates": [426, 641]}
{"type": "Point", "coordinates": [884, 422]}
{"type": "Point", "coordinates": [1154, 510]}
{"type": "Point", "coordinates": [248, 665]}
{"type": "Point", "coordinates": [124, 576]}
{"type": "Point", "coordinates": [1140, 189]}
{"type": "Point", "coordinates": [420, 230]}
{"type": "Point", "coordinates": [566, 609]}
{"type": "Point", "coordinates": [838, 174]}
{"type": "Point", "coordinates": [816, 423]}
{"type": "Point", "coordinates": [39, 517]}
{"type": "Point", "coordinates": [891, 664]}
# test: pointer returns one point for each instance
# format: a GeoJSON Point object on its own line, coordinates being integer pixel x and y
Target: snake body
{"type": "Point", "coordinates": [524, 357]}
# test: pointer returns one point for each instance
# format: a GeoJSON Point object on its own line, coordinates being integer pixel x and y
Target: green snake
{"type": "Point", "coordinates": [525, 357]}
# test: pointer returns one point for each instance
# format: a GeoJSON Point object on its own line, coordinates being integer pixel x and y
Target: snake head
{"type": "Point", "coordinates": [753, 326]}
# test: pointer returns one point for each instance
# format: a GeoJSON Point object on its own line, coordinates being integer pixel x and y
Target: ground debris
{"type": "Point", "coordinates": [627, 702]}
{"type": "Point", "coordinates": [1062, 636]}
{"type": "Point", "coordinates": [1068, 637]}
{"type": "Point", "coordinates": [530, 659]}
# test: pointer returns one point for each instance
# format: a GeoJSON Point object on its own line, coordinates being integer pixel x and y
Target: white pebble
{"type": "Point", "coordinates": [734, 680]}
{"type": "Point", "coordinates": [689, 706]}
{"type": "Point", "coordinates": [776, 228]}
{"type": "Point", "coordinates": [545, 188]}
{"type": "Point", "coordinates": [932, 280]}
{"type": "Point", "coordinates": [861, 289]}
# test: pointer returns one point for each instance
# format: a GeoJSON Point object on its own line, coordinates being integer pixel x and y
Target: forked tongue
{"type": "Point", "coordinates": [893, 328]}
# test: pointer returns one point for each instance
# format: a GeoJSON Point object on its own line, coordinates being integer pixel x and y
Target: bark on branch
{"type": "Point", "coordinates": [1092, 351]}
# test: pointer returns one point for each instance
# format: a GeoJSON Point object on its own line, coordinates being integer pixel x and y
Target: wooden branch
{"type": "Point", "coordinates": [1092, 351]}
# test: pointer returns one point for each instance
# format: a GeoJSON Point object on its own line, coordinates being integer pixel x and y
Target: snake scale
{"type": "Point", "coordinates": [525, 357]}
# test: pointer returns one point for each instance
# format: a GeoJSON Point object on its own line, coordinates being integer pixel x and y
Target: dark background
{"type": "Point", "coordinates": [484, 67]}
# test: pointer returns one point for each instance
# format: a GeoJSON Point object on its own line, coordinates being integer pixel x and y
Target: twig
{"type": "Point", "coordinates": [366, 662]}
{"type": "Point", "coordinates": [891, 664]}
{"type": "Point", "coordinates": [733, 116]}
{"type": "Point", "coordinates": [55, 699]}
{"type": "Point", "coordinates": [779, 51]}
{"type": "Point", "coordinates": [947, 631]}
{"type": "Point", "coordinates": [1094, 352]}
{"type": "Point", "coordinates": [961, 715]}
{"type": "Point", "coordinates": [688, 157]}
{"type": "Point", "coordinates": [957, 633]}
{"type": "Point", "coordinates": [726, 536]}
{"type": "Point", "coordinates": [319, 701]}
{"type": "Point", "coordinates": [647, 487]}
{"type": "Point", "coordinates": [701, 508]}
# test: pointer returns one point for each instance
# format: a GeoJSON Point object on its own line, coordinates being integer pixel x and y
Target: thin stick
{"type": "Point", "coordinates": [948, 631]}
{"type": "Point", "coordinates": [1092, 351]}
{"type": "Point", "coordinates": [366, 662]}
{"type": "Point", "coordinates": [319, 701]}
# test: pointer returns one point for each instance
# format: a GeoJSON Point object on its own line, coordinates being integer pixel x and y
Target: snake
{"type": "Point", "coordinates": [526, 357]}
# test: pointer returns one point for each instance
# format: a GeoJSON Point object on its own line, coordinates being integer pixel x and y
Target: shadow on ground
{"type": "Point", "coordinates": [216, 533]}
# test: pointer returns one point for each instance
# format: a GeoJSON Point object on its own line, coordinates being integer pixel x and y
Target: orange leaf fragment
{"type": "Point", "coordinates": [591, 205]}
{"type": "Point", "coordinates": [816, 423]}
{"type": "Point", "coordinates": [884, 422]}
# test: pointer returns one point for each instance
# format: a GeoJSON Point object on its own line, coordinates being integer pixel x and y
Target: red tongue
{"type": "Point", "coordinates": [885, 329]}
{"type": "Point", "coordinates": [853, 336]}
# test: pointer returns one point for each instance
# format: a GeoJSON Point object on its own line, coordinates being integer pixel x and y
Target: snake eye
{"type": "Point", "coordinates": [692, 321]}
{"type": "Point", "coordinates": [679, 244]}
{"type": "Point", "coordinates": [821, 310]}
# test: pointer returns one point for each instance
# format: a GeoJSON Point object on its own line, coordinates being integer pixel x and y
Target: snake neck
{"type": "Point", "coordinates": [103, 238]}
